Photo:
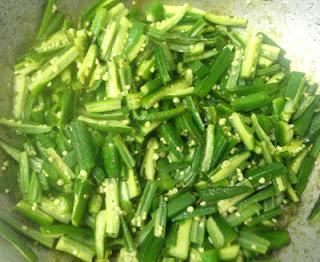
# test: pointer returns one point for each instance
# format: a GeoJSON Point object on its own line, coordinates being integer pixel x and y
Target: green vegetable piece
{"type": "Point", "coordinates": [181, 249]}
{"type": "Point", "coordinates": [124, 151]}
{"type": "Point", "coordinates": [82, 189]}
{"type": "Point", "coordinates": [54, 67]}
{"type": "Point", "coordinates": [251, 102]}
{"type": "Point", "coordinates": [87, 64]}
{"type": "Point", "coordinates": [166, 24]}
{"type": "Point", "coordinates": [242, 130]}
{"type": "Point", "coordinates": [253, 242]}
{"type": "Point", "coordinates": [112, 208]}
{"type": "Point", "coordinates": [155, 12]}
{"type": "Point", "coordinates": [83, 146]}
{"type": "Point", "coordinates": [75, 248]}
{"type": "Point", "coordinates": [218, 68]}
{"type": "Point", "coordinates": [100, 233]}
{"type": "Point", "coordinates": [149, 162]}
{"type": "Point", "coordinates": [251, 56]}
{"type": "Point", "coordinates": [215, 233]}
{"type": "Point", "coordinates": [33, 213]}
{"type": "Point", "coordinates": [24, 127]}
{"type": "Point", "coordinates": [10, 235]}
{"type": "Point", "coordinates": [228, 167]}
{"type": "Point", "coordinates": [219, 193]}
{"type": "Point", "coordinates": [226, 20]}
{"type": "Point", "coordinates": [111, 159]}
{"type": "Point", "coordinates": [26, 230]}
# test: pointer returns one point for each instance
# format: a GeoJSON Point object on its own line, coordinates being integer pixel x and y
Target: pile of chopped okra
{"type": "Point", "coordinates": [163, 135]}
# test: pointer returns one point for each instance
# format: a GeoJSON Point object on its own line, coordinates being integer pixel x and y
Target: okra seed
{"type": "Point", "coordinates": [176, 100]}
{"type": "Point", "coordinates": [203, 203]}
{"type": "Point", "coordinates": [262, 180]}
{"type": "Point", "coordinates": [232, 209]}
{"type": "Point", "coordinates": [253, 246]}
{"type": "Point", "coordinates": [222, 121]}
{"type": "Point", "coordinates": [190, 209]}
{"type": "Point", "coordinates": [60, 182]}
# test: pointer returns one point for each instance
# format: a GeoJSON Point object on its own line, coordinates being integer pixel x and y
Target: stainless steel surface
{"type": "Point", "coordinates": [295, 24]}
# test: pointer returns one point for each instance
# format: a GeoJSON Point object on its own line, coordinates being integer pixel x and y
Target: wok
{"type": "Point", "coordinates": [295, 24]}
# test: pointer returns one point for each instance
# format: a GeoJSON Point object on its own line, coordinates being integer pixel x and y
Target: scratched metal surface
{"type": "Point", "coordinates": [295, 24]}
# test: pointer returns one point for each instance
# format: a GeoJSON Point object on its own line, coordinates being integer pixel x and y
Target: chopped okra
{"type": "Point", "coordinates": [163, 135]}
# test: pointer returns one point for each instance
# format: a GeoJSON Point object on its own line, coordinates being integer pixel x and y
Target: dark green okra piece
{"type": "Point", "coordinates": [111, 159]}
{"type": "Point", "coordinates": [14, 239]}
{"type": "Point", "coordinates": [75, 248]}
{"type": "Point", "coordinates": [83, 146]}
{"type": "Point", "coordinates": [32, 212]}
{"type": "Point", "coordinates": [218, 68]}
{"type": "Point", "coordinates": [26, 230]}
{"type": "Point", "coordinates": [82, 189]}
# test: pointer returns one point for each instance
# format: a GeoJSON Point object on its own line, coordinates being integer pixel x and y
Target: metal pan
{"type": "Point", "coordinates": [295, 24]}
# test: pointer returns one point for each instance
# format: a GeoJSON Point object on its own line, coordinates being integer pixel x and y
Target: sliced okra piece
{"type": "Point", "coordinates": [243, 131]}
{"type": "Point", "coordinates": [112, 207]}
{"type": "Point", "coordinates": [150, 158]}
{"type": "Point", "coordinates": [251, 56]}
{"type": "Point", "coordinates": [144, 204]}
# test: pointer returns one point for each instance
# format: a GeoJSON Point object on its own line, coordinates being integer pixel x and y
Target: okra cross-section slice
{"type": "Point", "coordinates": [75, 248]}
{"type": "Point", "coordinates": [136, 41]}
{"type": "Point", "coordinates": [251, 56]}
{"type": "Point", "coordinates": [253, 242]}
{"type": "Point", "coordinates": [87, 65]}
{"type": "Point", "coordinates": [215, 233]}
{"type": "Point", "coordinates": [108, 39]}
{"type": "Point", "coordinates": [24, 174]}
{"type": "Point", "coordinates": [209, 149]}
{"type": "Point", "coordinates": [166, 24]}
{"type": "Point", "coordinates": [161, 219]}
{"type": "Point", "coordinates": [100, 233]}
{"type": "Point", "coordinates": [64, 172]}
{"type": "Point", "coordinates": [294, 93]}
{"type": "Point", "coordinates": [112, 207]}
{"type": "Point", "coordinates": [144, 204]}
{"type": "Point", "coordinates": [59, 208]}
{"type": "Point", "coordinates": [243, 131]}
{"type": "Point", "coordinates": [150, 158]}
{"type": "Point", "coordinates": [227, 167]}
{"type": "Point", "coordinates": [32, 212]}
{"type": "Point", "coordinates": [181, 248]}
{"type": "Point", "coordinates": [124, 152]}
{"type": "Point", "coordinates": [174, 89]}
{"type": "Point", "coordinates": [226, 20]}
{"type": "Point", "coordinates": [53, 68]}
{"type": "Point", "coordinates": [237, 218]}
